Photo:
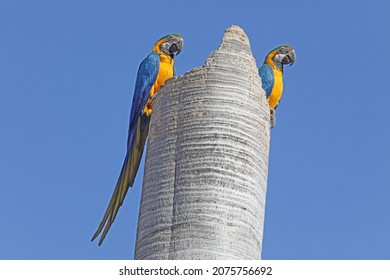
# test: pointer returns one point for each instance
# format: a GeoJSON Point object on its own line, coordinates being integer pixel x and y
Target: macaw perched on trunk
{"type": "Point", "coordinates": [271, 74]}
{"type": "Point", "coordinates": [154, 70]}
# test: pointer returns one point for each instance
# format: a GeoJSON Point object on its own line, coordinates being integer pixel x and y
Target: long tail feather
{"type": "Point", "coordinates": [126, 178]}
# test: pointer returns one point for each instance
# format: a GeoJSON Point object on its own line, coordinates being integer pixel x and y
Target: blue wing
{"type": "Point", "coordinates": [147, 75]}
{"type": "Point", "coordinates": [267, 78]}
{"type": "Point", "coordinates": [138, 132]}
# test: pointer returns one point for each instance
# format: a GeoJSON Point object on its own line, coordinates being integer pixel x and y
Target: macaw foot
{"type": "Point", "coordinates": [272, 118]}
{"type": "Point", "coordinates": [147, 111]}
{"type": "Point", "coordinates": [149, 105]}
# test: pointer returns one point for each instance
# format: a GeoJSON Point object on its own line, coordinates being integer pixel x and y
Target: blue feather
{"type": "Point", "coordinates": [267, 78]}
{"type": "Point", "coordinates": [147, 75]}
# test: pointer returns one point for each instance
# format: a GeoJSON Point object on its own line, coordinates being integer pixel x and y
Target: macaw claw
{"type": "Point", "coordinates": [272, 118]}
{"type": "Point", "coordinates": [153, 97]}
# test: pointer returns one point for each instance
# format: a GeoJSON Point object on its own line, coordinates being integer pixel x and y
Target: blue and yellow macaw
{"type": "Point", "coordinates": [154, 70]}
{"type": "Point", "coordinates": [271, 74]}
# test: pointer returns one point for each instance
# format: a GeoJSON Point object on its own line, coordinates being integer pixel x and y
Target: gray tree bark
{"type": "Point", "coordinates": [204, 187]}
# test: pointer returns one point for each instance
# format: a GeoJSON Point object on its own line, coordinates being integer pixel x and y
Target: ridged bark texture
{"type": "Point", "coordinates": [204, 187]}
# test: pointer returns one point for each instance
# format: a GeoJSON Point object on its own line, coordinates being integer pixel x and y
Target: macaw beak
{"type": "Point", "coordinates": [289, 58]}
{"type": "Point", "coordinates": [176, 47]}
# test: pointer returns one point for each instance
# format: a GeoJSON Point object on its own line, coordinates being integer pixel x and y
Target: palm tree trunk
{"type": "Point", "coordinates": [203, 194]}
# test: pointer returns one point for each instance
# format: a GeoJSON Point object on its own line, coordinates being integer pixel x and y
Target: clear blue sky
{"type": "Point", "coordinates": [67, 72]}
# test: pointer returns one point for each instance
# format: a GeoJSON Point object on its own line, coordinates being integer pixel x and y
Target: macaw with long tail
{"type": "Point", "coordinates": [271, 74]}
{"type": "Point", "coordinates": [154, 70]}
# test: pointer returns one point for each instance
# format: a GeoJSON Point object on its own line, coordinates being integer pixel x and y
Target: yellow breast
{"type": "Point", "coordinates": [277, 90]}
{"type": "Point", "coordinates": [165, 72]}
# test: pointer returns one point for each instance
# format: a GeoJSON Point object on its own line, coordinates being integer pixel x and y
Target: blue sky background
{"type": "Point", "coordinates": [67, 73]}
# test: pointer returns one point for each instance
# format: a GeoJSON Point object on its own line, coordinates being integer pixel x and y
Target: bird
{"type": "Point", "coordinates": [271, 73]}
{"type": "Point", "coordinates": [153, 71]}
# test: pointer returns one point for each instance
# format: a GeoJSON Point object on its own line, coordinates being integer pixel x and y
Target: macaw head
{"type": "Point", "coordinates": [280, 56]}
{"type": "Point", "coordinates": [171, 45]}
